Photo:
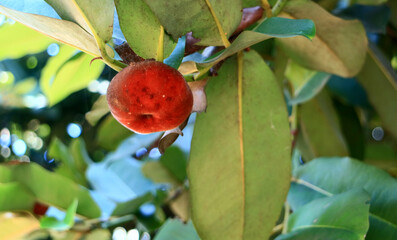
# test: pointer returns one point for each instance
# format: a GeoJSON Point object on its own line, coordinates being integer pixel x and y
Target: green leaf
{"type": "Point", "coordinates": [240, 154]}
{"type": "Point", "coordinates": [351, 129]}
{"type": "Point", "coordinates": [111, 133]}
{"type": "Point", "coordinates": [174, 229]}
{"type": "Point", "coordinates": [338, 47]}
{"type": "Point", "coordinates": [98, 110]}
{"type": "Point", "coordinates": [67, 165]}
{"type": "Point", "coordinates": [311, 88]}
{"type": "Point", "coordinates": [329, 176]}
{"type": "Point", "coordinates": [131, 206]}
{"type": "Point", "coordinates": [175, 161]}
{"type": "Point", "coordinates": [142, 29]}
{"type": "Point", "coordinates": [197, 17]}
{"type": "Point", "coordinates": [320, 133]}
{"type": "Point", "coordinates": [272, 27]}
{"type": "Point", "coordinates": [68, 72]}
{"type": "Point", "coordinates": [61, 225]}
{"type": "Point", "coordinates": [92, 15]}
{"type": "Point", "coordinates": [16, 41]}
{"type": "Point", "coordinates": [60, 30]}
{"type": "Point", "coordinates": [175, 59]}
{"type": "Point", "coordinates": [15, 197]}
{"type": "Point", "coordinates": [80, 154]}
{"type": "Point", "coordinates": [50, 188]}
{"type": "Point", "coordinates": [342, 216]}
{"type": "Point", "coordinates": [158, 173]}
{"type": "Point", "coordinates": [379, 81]}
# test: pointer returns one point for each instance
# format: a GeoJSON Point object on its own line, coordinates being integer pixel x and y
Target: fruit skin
{"type": "Point", "coordinates": [149, 96]}
{"type": "Point", "coordinates": [40, 208]}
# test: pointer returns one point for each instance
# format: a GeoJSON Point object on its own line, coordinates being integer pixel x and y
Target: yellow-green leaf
{"type": "Point", "coordinates": [240, 155]}
{"type": "Point", "coordinates": [339, 45]}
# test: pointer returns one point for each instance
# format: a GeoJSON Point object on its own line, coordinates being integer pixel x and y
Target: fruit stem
{"type": "Point", "coordinates": [116, 65]}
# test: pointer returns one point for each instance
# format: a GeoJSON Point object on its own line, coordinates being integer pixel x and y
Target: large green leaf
{"type": "Point", "coordinates": [60, 30]}
{"type": "Point", "coordinates": [240, 155]}
{"type": "Point", "coordinates": [319, 129]}
{"type": "Point", "coordinates": [92, 15]}
{"type": "Point", "coordinates": [142, 29]}
{"type": "Point", "coordinates": [15, 197]}
{"type": "Point", "coordinates": [176, 230]}
{"type": "Point", "coordinates": [338, 47]}
{"type": "Point", "coordinates": [379, 81]}
{"type": "Point", "coordinates": [342, 216]}
{"type": "Point", "coordinates": [207, 19]}
{"type": "Point", "coordinates": [15, 43]}
{"type": "Point", "coordinates": [68, 72]}
{"type": "Point", "coordinates": [50, 188]}
{"type": "Point", "coordinates": [329, 176]}
{"type": "Point", "coordinates": [272, 27]}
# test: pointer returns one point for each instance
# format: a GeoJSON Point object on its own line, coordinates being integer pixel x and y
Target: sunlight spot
{"type": "Point", "coordinates": [147, 209]}
{"type": "Point", "coordinates": [133, 234]}
{"type": "Point", "coordinates": [74, 130]}
{"type": "Point", "coordinates": [119, 233]}
{"type": "Point", "coordinates": [378, 134]}
{"type": "Point", "coordinates": [19, 147]}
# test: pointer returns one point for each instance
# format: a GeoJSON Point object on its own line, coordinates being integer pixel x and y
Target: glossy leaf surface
{"type": "Point", "coordinates": [342, 216]}
{"type": "Point", "coordinates": [329, 176]}
{"type": "Point", "coordinates": [272, 27]}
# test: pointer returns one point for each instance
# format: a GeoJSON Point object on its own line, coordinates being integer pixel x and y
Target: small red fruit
{"type": "Point", "coordinates": [149, 96]}
{"type": "Point", "coordinates": [40, 208]}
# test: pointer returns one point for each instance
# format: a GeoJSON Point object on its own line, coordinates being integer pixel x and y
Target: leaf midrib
{"type": "Point", "coordinates": [240, 63]}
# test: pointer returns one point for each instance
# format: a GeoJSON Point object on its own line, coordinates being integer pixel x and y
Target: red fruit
{"type": "Point", "coordinates": [40, 208]}
{"type": "Point", "coordinates": [149, 97]}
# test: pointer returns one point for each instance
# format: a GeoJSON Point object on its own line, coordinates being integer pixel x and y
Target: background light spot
{"type": "Point", "coordinates": [74, 130]}
{"type": "Point", "coordinates": [19, 147]}
{"type": "Point", "coordinates": [147, 209]}
{"type": "Point", "coordinates": [53, 49]}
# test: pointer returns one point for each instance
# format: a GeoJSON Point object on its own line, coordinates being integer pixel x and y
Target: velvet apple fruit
{"type": "Point", "coordinates": [149, 96]}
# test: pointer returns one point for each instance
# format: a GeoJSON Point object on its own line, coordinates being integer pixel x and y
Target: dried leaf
{"type": "Point", "coordinates": [199, 97]}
